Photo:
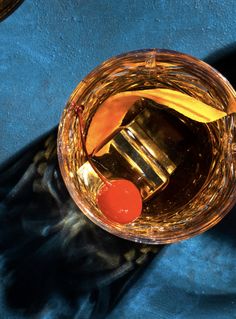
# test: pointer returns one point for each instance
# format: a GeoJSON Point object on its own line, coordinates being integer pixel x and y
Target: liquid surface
{"type": "Point", "coordinates": [166, 185]}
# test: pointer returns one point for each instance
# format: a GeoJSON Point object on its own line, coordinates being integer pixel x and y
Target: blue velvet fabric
{"type": "Point", "coordinates": [47, 47]}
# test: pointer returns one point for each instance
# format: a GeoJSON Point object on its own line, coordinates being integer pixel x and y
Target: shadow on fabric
{"type": "Point", "coordinates": [51, 250]}
{"type": "Point", "coordinates": [224, 61]}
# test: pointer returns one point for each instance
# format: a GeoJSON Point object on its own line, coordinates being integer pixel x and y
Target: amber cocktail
{"type": "Point", "coordinates": [183, 168]}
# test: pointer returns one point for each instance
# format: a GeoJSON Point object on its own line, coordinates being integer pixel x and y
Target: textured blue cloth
{"type": "Point", "coordinates": [47, 47]}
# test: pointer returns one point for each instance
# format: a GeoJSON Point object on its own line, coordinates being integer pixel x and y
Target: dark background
{"type": "Point", "coordinates": [47, 47]}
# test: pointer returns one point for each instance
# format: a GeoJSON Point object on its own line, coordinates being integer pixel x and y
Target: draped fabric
{"type": "Point", "coordinates": [51, 251]}
{"type": "Point", "coordinates": [54, 263]}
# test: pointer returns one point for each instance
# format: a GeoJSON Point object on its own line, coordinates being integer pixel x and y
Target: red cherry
{"type": "Point", "coordinates": [120, 201]}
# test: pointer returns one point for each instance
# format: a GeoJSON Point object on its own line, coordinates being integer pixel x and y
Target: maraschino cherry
{"type": "Point", "coordinates": [118, 199]}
